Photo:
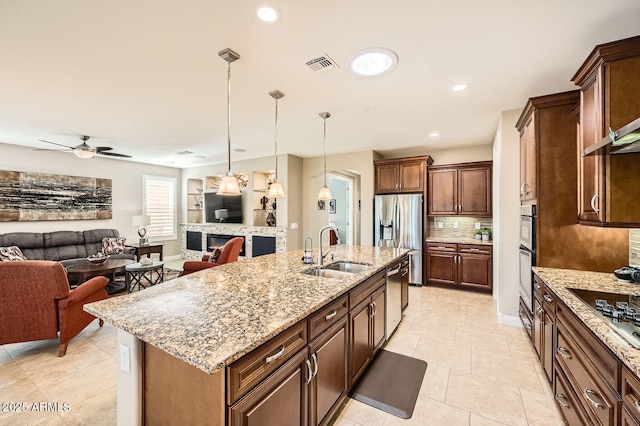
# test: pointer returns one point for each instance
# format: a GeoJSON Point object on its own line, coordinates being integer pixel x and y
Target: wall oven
{"type": "Point", "coordinates": [527, 253]}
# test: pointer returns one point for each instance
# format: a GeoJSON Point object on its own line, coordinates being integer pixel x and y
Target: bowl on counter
{"type": "Point", "coordinates": [98, 259]}
{"type": "Point", "coordinates": [628, 274]}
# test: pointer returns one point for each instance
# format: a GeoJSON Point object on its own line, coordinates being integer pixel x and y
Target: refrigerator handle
{"type": "Point", "coordinates": [396, 225]}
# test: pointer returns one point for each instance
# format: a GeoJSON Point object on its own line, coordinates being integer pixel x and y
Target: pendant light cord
{"type": "Point", "coordinates": [229, 117]}
{"type": "Point", "coordinates": [324, 167]}
{"type": "Point", "coordinates": [276, 140]}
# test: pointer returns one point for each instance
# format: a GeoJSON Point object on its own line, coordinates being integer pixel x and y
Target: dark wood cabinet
{"type": "Point", "coordinates": [528, 161]}
{"type": "Point", "coordinates": [366, 324]}
{"type": "Point", "coordinates": [460, 189]}
{"type": "Point", "coordinates": [610, 99]}
{"type": "Point", "coordinates": [538, 328]}
{"type": "Point", "coordinates": [281, 399]}
{"type": "Point", "coordinates": [330, 382]}
{"type": "Point", "coordinates": [401, 175]}
{"type": "Point", "coordinates": [464, 265]}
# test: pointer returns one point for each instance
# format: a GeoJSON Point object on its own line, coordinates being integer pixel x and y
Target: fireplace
{"type": "Point", "coordinates": [218, 240]}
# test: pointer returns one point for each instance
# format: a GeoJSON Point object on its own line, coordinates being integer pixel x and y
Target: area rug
{"type": "Point", "coordinates": [392, 384]}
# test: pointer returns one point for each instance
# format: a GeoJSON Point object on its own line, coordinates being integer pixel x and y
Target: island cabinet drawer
{"type": "Point", "coordinates": [325, 317]}
{"type": "Point", "coordinates": [602, 360]}
{"type": "Point", "coordinates": [475, 249]}
{"type": "Point", "coordinates": [631, 392]}
{"type": "Point", "coordinates": [365, 289]}
{"type": "Point", "coordinates": [249, 370]}
{"type": "Point", "coordinates": [568, 402]}
{"type": "Point", "coordinates": [599, 401]}
{"type": "Point", "coordinates": [448, 247]}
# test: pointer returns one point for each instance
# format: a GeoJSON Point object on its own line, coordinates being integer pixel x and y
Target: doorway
{"type": "Point", "coordinates": [343, 208]}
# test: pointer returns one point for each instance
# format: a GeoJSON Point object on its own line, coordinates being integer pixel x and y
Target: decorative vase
{"type": "Point", "coordinates": [271, 219]}
{"type": "Point", "coordinates": [478, 236]}
{"type": "Point", "coordinates": [485, 237]}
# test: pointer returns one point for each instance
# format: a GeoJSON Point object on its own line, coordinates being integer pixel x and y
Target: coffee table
{"type": "Point", "coordinates": [84, 271]}
{"type": "Point", "coordinates": [136, 272]}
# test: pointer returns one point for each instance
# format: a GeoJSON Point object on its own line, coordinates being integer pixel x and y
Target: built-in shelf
{"type": "Point", "coordinates": [263, 210]}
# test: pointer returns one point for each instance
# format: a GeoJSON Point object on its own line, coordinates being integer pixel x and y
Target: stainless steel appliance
{"type": "Point", "coordinates": [527, 253]}
{"type": "Point", "coordinates": [393, 299]}
{"type": "Point", "coordinates": [398, 223]}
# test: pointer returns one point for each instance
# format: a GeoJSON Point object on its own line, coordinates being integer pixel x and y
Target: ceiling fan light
{"type": "Point", "coordinates": [84, 153]}
{"type": "Point", "coordinates": [324, 194]}
{"type": "Point", "coordinates": [229, 185]}
{"type": "Point", "coordinates": [276, 190]}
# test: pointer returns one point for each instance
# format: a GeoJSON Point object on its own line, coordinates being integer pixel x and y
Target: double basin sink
{"type": "Point", "coordinates": [337, 270]}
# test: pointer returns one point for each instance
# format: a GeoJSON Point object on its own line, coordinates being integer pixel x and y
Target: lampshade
{"type": "Point", "coordinates": [84, 153]}
{"type": "Point", "coordinates": [221, 213]}
{"type": "Point", "coordinates": [325, 194]}
{"type": "Point", "coordinates": [276, 190]}
{"type": "Point", "coordinates": [140, 220]}
{"type": "Point", "coordinates": [229, 184]}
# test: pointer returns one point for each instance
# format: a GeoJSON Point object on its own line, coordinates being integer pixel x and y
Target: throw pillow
{"type": "Point", "coordinates": [11, 253]}
{"type": "Point", "coordinates": [215, 254]}
{"type": "Point", "coordinates": [113, 245]}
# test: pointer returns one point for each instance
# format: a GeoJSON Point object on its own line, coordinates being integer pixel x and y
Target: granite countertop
{"type": "Point", "coordinates": [561, 280]}
{"type": "Point", "coordinates": [213, 317]}
{"type": "Point", "coordinates": [459, 240]}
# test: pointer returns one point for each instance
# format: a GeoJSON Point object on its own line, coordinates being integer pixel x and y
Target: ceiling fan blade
{"type": "Point", "coordinates": [113, 154]}
{"type": "Point", "coordinates": [103, 148]}
{"type": "Point", "coordinates": [55, 143]}
{"type": "Point", "coordinates": [47, 149]}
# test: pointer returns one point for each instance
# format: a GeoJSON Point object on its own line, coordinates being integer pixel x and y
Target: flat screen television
{"type": "Point", "coordinates": [222, 208]}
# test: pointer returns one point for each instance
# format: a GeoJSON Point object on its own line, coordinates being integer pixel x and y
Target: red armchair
{"type": "Point", "coordinates": [36, 303]}
{"type": "Point", "coordinates": [229, 253]}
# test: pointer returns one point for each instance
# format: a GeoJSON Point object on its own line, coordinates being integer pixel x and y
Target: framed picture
{"type": "Point", "coordinates": [320, 204]}
{"type": "Point", "coordinates": [332, 206]}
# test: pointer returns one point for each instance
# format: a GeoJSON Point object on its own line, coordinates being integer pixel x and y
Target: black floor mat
{"type": "Point", "coordinates": [392, 384]}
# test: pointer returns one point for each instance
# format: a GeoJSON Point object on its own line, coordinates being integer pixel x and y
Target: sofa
{"type": "Point", "coordinates": [36, 303]}
{"type": "Point", "coordinates": [66, 247]}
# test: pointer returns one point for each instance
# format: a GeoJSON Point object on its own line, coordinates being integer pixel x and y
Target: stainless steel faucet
{"type": "Point", "coordinates": [321, 255]}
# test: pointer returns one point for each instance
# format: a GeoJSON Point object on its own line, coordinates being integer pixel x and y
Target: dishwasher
{"type": "Point", "coordinates": [393, 299]}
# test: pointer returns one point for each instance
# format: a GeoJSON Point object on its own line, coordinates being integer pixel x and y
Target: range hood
{"type": "Point", "coordinates": [625, 141]}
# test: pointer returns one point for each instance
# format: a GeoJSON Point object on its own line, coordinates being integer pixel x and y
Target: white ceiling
{"type": "Point", "coordinates": [144, 76]}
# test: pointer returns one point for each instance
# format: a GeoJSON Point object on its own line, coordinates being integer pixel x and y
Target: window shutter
{"type": "Point", "coordinates": [159, 201]}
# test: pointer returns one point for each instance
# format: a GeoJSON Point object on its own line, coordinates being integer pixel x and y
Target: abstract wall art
{"type": "Point", "coordinates": [26, 196]}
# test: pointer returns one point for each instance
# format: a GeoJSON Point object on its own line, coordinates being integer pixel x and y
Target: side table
{"type": "Point", "coordinates": [138, 274]}
{"type": "Point", "coordinates": [142, 249]}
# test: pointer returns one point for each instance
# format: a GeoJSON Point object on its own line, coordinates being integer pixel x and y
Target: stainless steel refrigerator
{"type": "Point", "coordinates": [398, 223]}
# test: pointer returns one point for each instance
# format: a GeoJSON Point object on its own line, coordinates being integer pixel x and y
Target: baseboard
{"type": "Point", "coordinates": [509, 320]}
{"type": "Point", "coordinates": [174, 257]}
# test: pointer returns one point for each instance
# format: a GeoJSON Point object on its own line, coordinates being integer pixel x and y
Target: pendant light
{"type": "Point", "coordinates": [229, 183]}
{"type": "Point", "coordinates": [325, 194]}
{"type": "Point", "coordinates": [276, 190]}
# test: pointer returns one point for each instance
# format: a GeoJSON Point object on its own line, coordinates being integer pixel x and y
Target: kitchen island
{"type": "Point", "coordinates": [195, 327]}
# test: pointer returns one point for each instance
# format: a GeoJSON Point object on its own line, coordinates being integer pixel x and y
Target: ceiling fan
{"type": "Point", "coordinates": [84, 150]}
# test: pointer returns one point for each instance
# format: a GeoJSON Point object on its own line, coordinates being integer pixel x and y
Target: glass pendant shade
{"type": "Point", "coordinates": [229, 185]}
{"type": "Point", "coordinates": [84, 153]}
{"type": "Point", "coordinates": [324, 193]}
{"type": "Point", "coordinates": [276, 190]}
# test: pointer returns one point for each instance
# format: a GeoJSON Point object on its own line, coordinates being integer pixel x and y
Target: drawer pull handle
{"type": "Point", "coordinates": [593, 203]}
{"type": "Point", "coordinates": [315, 365]}
{"type": "Point", "coordinates": [587, 392]}
{"type": "Point", "coordinates": [442, 247]}
{"type": "Point", "coordinates": [331, 315]}
{"type": "Point", "coordinates": [538, 286]}
{"type": "Point", "coordinates": [561, 398]}
{"type": "Point", "coordinates": [309, 373]}
{"type": "Point", "coordinates": [564, 353]}
{"type": "Point", "coordinates": [548, 298]}
{"type": "Point", "coordinates": [375, 308]}
{"type": "Point", "coordinates": [371, 313]}
{"type": "Point", "coordinates": [638, 405]}
{"type": "Point", "coordinates": [474, 249]}
{"type": "Point", "coordinates": [275, 356]}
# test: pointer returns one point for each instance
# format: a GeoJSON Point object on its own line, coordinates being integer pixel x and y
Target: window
{"type": "Point", "coordinates": [159, 203]}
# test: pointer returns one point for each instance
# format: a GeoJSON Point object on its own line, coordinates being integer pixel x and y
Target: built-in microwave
{"type": "Point", "coordinates": [528, 227]}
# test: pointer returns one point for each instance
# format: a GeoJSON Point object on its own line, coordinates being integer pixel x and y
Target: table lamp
{"type": "Point", "coordinates": [141, 221]}
{"type": "Point", "coordinates": [221, 214]}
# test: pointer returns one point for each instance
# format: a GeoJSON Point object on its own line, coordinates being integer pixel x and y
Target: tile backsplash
{"type": "Point", "coordinates": [634, 247]}
{"type": "Point", "coordinates": [466, 226]}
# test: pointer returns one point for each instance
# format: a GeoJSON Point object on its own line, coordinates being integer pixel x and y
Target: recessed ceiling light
{"type": "Point", "coordinates": [268, 13]}
{"type": "Point", "coordinates": [369, 109]}
{"type": "Point", "coordinates": [459, 87]}
{"type": "Point", "coordinates": [372, 62]}
{"type": "Point", "coordinates": [201, 157]}
{"type": "Point", "coordinates": [240, 150]}
{"type": "Point", "coordinates": [434, 134]}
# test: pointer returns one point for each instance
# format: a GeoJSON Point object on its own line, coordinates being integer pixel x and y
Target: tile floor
{"type": "Point", "coordinates": [479, 372]}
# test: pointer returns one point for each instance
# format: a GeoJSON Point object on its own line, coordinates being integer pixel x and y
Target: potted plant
{"type": "Point", "coordinates": [478, 234]}
{"type": "Point", "coordinates": [486, 234]}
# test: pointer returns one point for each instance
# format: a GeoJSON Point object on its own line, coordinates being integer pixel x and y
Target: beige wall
{"type": "Point", "coordinates": [356, 163]}
{"type": "Point", "coordinates": [634, 247]}
{"type": "Point", "coordinates": [126, 179]}
{"type": "Point", "coordinates": [462, 155]}
{"type": "Point", "coordinates": [506, 216]}
{"type": "Point", "coordinates": [294, 187]}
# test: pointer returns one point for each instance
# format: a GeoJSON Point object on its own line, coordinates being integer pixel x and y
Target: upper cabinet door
{"type": "Point", "coordinates": [528, 162]}
{"type": "Point", "coordinates": [474, 191]}
{"type": "Point", "coordinates": [412, 174]}
{"type": "Point", "coordinates": [386, 178]}
{"type": "Point", "coordinates": [443, 192]}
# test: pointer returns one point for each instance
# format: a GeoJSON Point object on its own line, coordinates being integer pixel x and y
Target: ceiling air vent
{"type": "Point", "coordinates": [322, 63]}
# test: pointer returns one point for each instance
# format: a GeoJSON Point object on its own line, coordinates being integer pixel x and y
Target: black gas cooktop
{"type": "Point", "coordinates": [620, 311]}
